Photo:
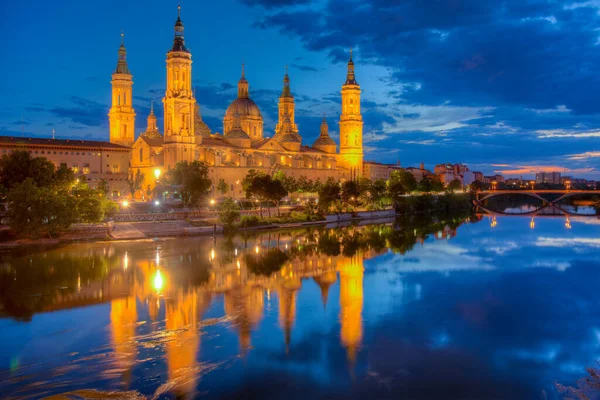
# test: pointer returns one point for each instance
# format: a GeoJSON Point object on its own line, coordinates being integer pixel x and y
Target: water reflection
{"type": "Point", "coordinates": [179, 309]}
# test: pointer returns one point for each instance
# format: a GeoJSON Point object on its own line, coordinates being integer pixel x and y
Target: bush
{"type": "Point", "coordinates": [249, 221]}
{"type": "Point", "coordinates": [229, 213]}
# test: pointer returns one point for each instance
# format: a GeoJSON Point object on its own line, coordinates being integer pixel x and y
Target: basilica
{"type": "Point", "coordinates": [243, 145]}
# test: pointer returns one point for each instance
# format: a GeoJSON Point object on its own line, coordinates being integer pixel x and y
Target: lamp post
{"type": "Point", "coordinates": [532, 185]}
{"type": "Point", "coordinates": [568, 185]}
{"type": "Point", "coordinates": [494, 185]}
{"type": "Point", "coordinates": [156, 175]}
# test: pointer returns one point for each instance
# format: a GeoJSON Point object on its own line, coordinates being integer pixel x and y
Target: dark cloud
{"type": "Point", "coordinates": [21, 123]}
{"type": "Point", "coordinates": [307, 68]}
{"type": "Point", "coordinates": [272, 4]}
{"type": "Point", "coordinates": [532, 53]}
{"type": "Point", "coordinates": [83, 111]}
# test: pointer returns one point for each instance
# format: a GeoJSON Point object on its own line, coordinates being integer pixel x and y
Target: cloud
{"type": "Point", "coordinates": [272, 4]}
{"type": "Point", "coordinates": [584, 156]}
{"type": "Point", "coordinates": [82, 111]}
{"type": "Point", "coordinates": [568, 242]}
{"type": "Point", "coordinates": [562, 133]}
{"type": "Point", "coordinates": [533, 169]}
{"type": "Point", "coordinates": [307, 68]}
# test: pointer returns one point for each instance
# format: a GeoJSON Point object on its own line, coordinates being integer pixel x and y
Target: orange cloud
{"type": "Point", "coordinates": [533, 169]}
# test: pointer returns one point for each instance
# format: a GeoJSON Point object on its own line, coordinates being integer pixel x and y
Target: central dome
{"type": "Point", "coordinates": [244, 107]}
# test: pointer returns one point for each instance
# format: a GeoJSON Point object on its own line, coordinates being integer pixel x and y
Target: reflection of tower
{"type": "Point", "coordinates": [325, 281]}
{"type": "Point", "coordinates": [179, 102]}
{"type": "Point", "coordinates": [287, 307]}
{"type": "Point", "coordinates": [351, 303]}
{"type": "Point", "coordinates": [123, 316]}
{"type": "Point", "coordinates": [245, 306]}
{"type": "Point", "coordinates": [182, 348]}
{"type": "Point", "coordinates": [351, 125]}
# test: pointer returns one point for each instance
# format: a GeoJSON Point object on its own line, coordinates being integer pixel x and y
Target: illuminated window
{"type": "Point", "coordinates": [86, 168]}
{"type": "Point", "coordinates": [75, 168]}
{"type": "Point", "coordinates": [115, 168]}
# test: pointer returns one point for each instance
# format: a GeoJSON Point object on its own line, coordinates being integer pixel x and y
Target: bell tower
{"type": "Point", "coordinates": [351, 125]}
{"type": "Point", "coordinates": [179, 102]}
{"type": "Point", "coordinates": [286, 107]}
{"type": "Point", "coordinates": [122, 115]}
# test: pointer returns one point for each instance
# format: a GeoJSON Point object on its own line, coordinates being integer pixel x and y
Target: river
{"type": "Point", "coordinates": [484, 308]}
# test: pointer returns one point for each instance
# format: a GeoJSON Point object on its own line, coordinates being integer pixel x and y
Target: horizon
{"type": "Point", "coordinates": [445, 93]}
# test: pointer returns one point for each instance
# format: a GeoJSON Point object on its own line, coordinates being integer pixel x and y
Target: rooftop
{"type": "Point", "coordinates": [29, 141]}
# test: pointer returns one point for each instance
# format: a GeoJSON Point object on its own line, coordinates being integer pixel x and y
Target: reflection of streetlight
{"type": "Point", "coordinates": [532, 223]}
{"type": "Point", "coordinates": [568, 223]}
{"type": "Point", "coordinates": [158, 281]}
{"type": "Point", "coordinates": [494, 222]}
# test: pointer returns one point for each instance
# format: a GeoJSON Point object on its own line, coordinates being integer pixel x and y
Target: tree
{"type": "Point", "coordinates": [350, 192]}
{"type": "Point", "coordinates": [430, 184]}
{"type": "Point", "coordinates": [229, 214]}
{"type": "Point", "coordinates": [35, 211]}
{"type": "Point", "coordinates": [222, 187]}
{"type": "Point", "coordinates": [267, 263]}
{"type": "Point", "coordinates": [275, 191]}
{"type": "Point", "coordinates": [90, 210]}
{"type": "Point", "coordinates": [329, 195]}
{"type": "Point", "coordinates": [405, 179]}
{"type": "Point", "coordinates": [192, 181]}
{"type": "Point", "coordinates": [18, 166]}
{"type": "Point", "coordinates": [103, 186]}
{"type": "Point", "coordinates": [454, 185]}
{"type": "Point", "coordinates": [476, 186]}
{"type": "Point", "coordinates": [379, 194]}
{"type": "Point", "coordinates": [135, 180]}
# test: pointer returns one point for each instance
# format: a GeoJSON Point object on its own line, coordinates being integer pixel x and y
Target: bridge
{"type": "Point", "coordinates": [536, 193]}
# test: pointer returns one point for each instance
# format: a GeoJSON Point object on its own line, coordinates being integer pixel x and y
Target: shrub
{"type": "Point", "coordinates": [250, 221]}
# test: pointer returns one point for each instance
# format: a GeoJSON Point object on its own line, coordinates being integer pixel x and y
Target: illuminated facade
{"type": "Point", "coordinates": [242, 145]}
{"type": "Point", "coordinates": [122, 115]}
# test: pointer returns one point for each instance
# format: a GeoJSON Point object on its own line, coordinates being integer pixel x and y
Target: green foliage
{"type": "Point", "coordinates": [37, 212]}
{"type": "Point", "coordinates": [264, 188]}
{"type": "Point", "coordinates": [311, 207]}
{"type": "Point", "coordinates": [248, 221]}
{"type": "Point", "coordinates": [329, 195]}
{"type": "Point", "coordinates": [454, 185]}
{"type": "Point", "coordinates": [476, 186]}
{"type": "Point", "coordinates": [430, 184]}
{"type": "Point", "coordinates": [135, 180]}
{"type": "Point", "coordinates": [192, 181]}
{"type": "Point", "coordinates": [222, 187]}
{"type": "Point", "coordinates": [90, 210]}
{"type": "Point", "coordinates": [18, 166]}
{"type": "Point", "coordinates": [103, 186]}
{"type": "Point", "coordinates": [229, 214]}
{"type": "Point", "coordinates": [405, 179]}
{"type": "Point", "coordinates": [110, 208]}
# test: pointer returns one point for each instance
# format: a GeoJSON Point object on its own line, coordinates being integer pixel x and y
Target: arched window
{"type": "Point", "coordinates": [141, 154]}
{"type": "Point", "coordinates": [351, 106]}
{"type": "Point", "coordinates": [119, 98]}
{"type": "Point", "coordinates": [346, 139]}
{"type": "Point", "coordinates": [125, 98]}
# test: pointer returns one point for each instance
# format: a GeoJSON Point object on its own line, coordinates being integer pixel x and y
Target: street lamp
{"type": "Point", "coordinates": [568, 185]}
{"type": "Point", "coordinates": [157, 173]}
{"type": "Point", "coordinates": [532, 183]}
{"type": "Point", "coordinates": [494, 184]}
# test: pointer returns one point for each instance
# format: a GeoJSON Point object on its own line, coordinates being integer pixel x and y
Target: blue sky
{"type": "Point", "coordinates": [507, 86]}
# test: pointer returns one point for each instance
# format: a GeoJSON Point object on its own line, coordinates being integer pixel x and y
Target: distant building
{"type": "Point", "coordinates": [468, 178]}
{"type": "Point", "coordinates": [449, 172]}
{"type": "Point", "coordinates": [548, 177]}
{"type": "Point", "coordinates": [478, 176]}
{"type": "Point", "coordinates": [419, 173]}
{"type": "Point", "coordinates": [91, 161]}
{"type": "Point", "coordinates": [374, 170]}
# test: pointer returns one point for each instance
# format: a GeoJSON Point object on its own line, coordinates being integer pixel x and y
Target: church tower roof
{"type": "Point", "coordinates": [243, 86]}
{"type": "Point", "coordinates": [122, 67]}
{"type": "Point", "coordinates": [178, 41]}
{"type": "Point", "coordinates": [286, 85]}
{"type": "Point", "coordinates": [324, 139]}
{"type": "Point", "coordinates": [350, 78]}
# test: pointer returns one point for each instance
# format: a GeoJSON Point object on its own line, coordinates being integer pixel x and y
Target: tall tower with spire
{"type": "Point", "coordinates": [179, 102]}
{"type": "Point", "coordinates": [122, 115]}
{"type": "Point", "coordinates": [286, 108]}
{"type": "Point", "coordinates": [351, 125]}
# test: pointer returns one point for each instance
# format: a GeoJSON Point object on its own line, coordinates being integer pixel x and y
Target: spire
{"type": "Point", "coordinates": [324, 127]}
{"type": "Point", "coordinates": [286, 84]}
{"type": "Point", "coordinates": [178, 42]}
{"type": "Point", "coordinates": [243, 86]}
{"type": "Point", "coordinates": [151, 107]}
{"type": "Point", "coordinates": [350, 78]}
{"type": "Point", "coordinates": [122, 67]}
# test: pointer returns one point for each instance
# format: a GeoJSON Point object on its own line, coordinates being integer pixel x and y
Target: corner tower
{"type": "Point", "coordinates": [351, 125]}
{"type": "Point", "coordinates": [179, 102]}
{"type": "Point", "coordinates": [122, 115]}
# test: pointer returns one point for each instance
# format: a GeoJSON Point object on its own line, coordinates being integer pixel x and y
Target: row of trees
{"type": "Point", "coordinates": [42, 200]}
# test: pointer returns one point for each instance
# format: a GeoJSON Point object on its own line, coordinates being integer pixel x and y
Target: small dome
{"type": "Point", "coordinates": [236, 133]}
{"type": "Point", "coordinates": [324, 141]}
{"type": "Point", "coordinates": [244, 107]}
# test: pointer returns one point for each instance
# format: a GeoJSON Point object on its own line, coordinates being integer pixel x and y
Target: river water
{"type": "Point", "coordinates": [486, 308]}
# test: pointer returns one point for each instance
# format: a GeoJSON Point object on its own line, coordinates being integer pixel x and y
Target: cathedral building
{"type": "Point", "coordinates": [243, 145]}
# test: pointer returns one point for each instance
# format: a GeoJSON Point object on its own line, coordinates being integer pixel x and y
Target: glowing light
{"type": "Point", "coordinates": [212, 254]}
{"type": "Point", "coordinates": [532, 223]}
{"type": "Point", "coordinates": [157, 173]}
{"type": "Point", "coordinates": [494, 222]}
{"type": "Point", "coordinates": [156, 203]}
{"type": "Point", "coordinates": [256, 249]}
{"type": "Point", "coordinates": [158, 281]}
{"type": "Point", "coordinates": [235, 251]}
{"type": "Point", "coordinates": [157, 258]}
{"type": "Point", "coordinates": [212, 202]}
{"type": "Point", "coordinates": [568, 223]}
{"type": "Point", "coordinates": [125, 203]}
{"type": "Point", "coordinates": [238, 264]}
{"type": "Point", "coordinates": [125, 262]}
